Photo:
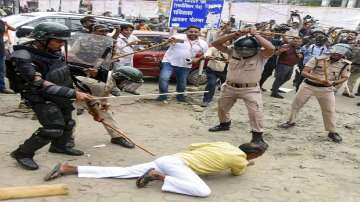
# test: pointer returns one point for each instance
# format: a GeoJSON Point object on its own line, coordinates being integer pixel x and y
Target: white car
{"type": "Point", "coordinates": [71, 20]}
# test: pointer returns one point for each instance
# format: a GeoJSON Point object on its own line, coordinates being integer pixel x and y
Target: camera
{"type": "Point", "coordinates": [188, 61]}
{"type": "Point", "coordinates": [281, 28]}
{"type": "Point", "coordinates": [294, 13]}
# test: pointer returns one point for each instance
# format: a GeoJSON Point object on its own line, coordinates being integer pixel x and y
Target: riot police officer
{"type": "Point", "coordinates": [44, 80]}
{"type": "Point", "coordinates": [246, 62]}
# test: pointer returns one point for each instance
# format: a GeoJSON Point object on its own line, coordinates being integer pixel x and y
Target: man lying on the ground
{"type": "Point", "coordinates": [178, 172]}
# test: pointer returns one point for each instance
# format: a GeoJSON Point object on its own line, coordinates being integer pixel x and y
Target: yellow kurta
{"type": "Point", "coordinates": [213, 157]}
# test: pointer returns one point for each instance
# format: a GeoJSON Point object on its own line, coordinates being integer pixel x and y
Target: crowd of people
{"type": "Point", "coordinates": [240, 60]}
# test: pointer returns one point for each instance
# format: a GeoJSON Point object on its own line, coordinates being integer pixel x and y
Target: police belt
{"type": "Point", "coordinates": [315, 84]}
{"type": "Point", "coordinates": [241, 85]}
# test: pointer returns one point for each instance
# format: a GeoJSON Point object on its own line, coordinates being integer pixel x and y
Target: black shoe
{"type": "Point", "coordinates": [258, 140]}
{"type": "Point", "coordinates": [70, 143]}
{"type": "Point", "coordinates": [122, 142]}
{"type": "Point", "coordinates": [348, 95]}
{"type": "Point", "coordinates": [221, 127]}
{"type": "Point", "coordinates": [6, 91]}
{"type": "Point", "coordinates": [205, 104]}
{"type": "Point", "coordinates": [263, 89]}
{"type": "Point", "coordinates": [181, 99]}
{"type": "Point", "coordinates": [66, 150]}
{"type": "Point", "coordinates": [335, 137]}
{"type": "Point", "coordinates": [160, 99]}
{"type": "Point", "coordinates": [27, 163]}
{"type": "Point", "coordinates": [277, 96]}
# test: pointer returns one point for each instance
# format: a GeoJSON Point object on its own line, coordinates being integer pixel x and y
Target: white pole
{"type": "Point", "coordinates": [230, 4]}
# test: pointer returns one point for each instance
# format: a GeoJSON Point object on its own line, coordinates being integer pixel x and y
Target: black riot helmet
{"type": "Point", "coordinates": [320, 40]}
{"type": "Point", "coordinates": [246, 47]}
{"type": "Point", "coordinates": [50, 30]}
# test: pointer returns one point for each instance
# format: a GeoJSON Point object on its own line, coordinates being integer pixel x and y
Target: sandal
{"type": "Point", "coordinates": [145, 179]}
{"type": "Point", "coordinates": [54, 173]}
{"type": "Point", "coordinates": [335, 137]}
{"type": "Point", "coordinates": [287, 125]}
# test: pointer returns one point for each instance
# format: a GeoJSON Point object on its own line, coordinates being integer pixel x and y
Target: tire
{"type": "Point", "coordinates": [195, 79]}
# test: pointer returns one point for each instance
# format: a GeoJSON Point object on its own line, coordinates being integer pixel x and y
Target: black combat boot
{"type": "Point", "coordinates": [258, 139]}
{"type": "Point", "coordinates": [71, 142]}
{"type": "Point", "coordinates": [221, 127]}
{"type": "Point", "coordinates": [59, 145]}
{"type": "Point", "coordinates": [122, 142]}
{"type": "Point", "coordinates": [25, 153]}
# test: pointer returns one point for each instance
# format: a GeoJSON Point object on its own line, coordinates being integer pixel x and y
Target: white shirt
{"type": "Point", "coordinates": [177, 53]}
{"type": "Point", "coordinates": [123, 48]}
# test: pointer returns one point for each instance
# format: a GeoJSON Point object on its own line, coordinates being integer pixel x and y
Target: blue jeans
{"type": "Point", "coordinates": [181, 74]}
{"type": "Point", "coordinates": [2, 72]}
{"type": "Point", "coordinates": [212, 77]}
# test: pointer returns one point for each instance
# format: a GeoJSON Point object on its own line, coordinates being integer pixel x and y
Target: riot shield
{"type": "Point", "coordinates": [90, 50]}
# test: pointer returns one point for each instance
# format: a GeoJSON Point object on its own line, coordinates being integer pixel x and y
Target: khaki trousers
{"type": "Point", "coordinates": [326, 99]}
{"type": "Point", "coordinates": [351, 82]}
{"type": "Point", "coordinates": [252, 99]}
{"type": "Point", "coordinates": [97, 89]}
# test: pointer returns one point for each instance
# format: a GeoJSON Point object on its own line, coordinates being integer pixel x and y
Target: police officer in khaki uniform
{"type": "Point", "coordinates": [322, 74]}
{"type": "Point", "coordinates": [247, 57]}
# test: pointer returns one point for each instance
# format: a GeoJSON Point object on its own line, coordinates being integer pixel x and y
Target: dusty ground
{"type": "Point", "coordinates": [300, 165]}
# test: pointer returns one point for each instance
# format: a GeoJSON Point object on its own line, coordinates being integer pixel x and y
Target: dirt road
{"type": "Point", "coordinates": [300, 165]}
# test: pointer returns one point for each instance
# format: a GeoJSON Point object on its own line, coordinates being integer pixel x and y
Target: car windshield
{"type": "Point", "coordinates": [15, 19]}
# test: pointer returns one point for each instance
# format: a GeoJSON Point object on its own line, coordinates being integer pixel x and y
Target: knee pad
{"type": "Point", "coordinates": [50, 133]}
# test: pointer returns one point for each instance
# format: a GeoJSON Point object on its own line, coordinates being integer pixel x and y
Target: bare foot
{"type": "Point", "coordinates": [157, 175]}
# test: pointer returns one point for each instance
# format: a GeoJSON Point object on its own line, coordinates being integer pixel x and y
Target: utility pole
{"type": "Point", "coordinates": [230, 4]}
{"type": "Point", "coordinates": [16, 6]}
{"type": "Point", "coordinates": [59, 6]}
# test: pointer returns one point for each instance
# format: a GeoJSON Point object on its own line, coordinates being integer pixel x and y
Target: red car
{"type": "Point", "coordinates": [148, 62]}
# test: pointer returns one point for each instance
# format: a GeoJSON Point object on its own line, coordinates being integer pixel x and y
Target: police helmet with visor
{"type": "Point", "coordinates": [246, 47]}
{"type": "Point", "coordinates": [342, 49]}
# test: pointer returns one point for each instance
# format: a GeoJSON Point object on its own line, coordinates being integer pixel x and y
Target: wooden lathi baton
{"type": "Point", "coordinates": [93, 111]}
{"type": "Point", "coordinates": [33, 191]}
{"type": "Point", "coordinates": [326, 63]}
{"type": "Point", "coordinates": [276, 33]}
{"type": "Point", "coordinates": [128, 139]}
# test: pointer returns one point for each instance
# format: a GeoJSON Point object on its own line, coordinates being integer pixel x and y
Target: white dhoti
{"type": "Point", "coordinates": [179, 178]}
